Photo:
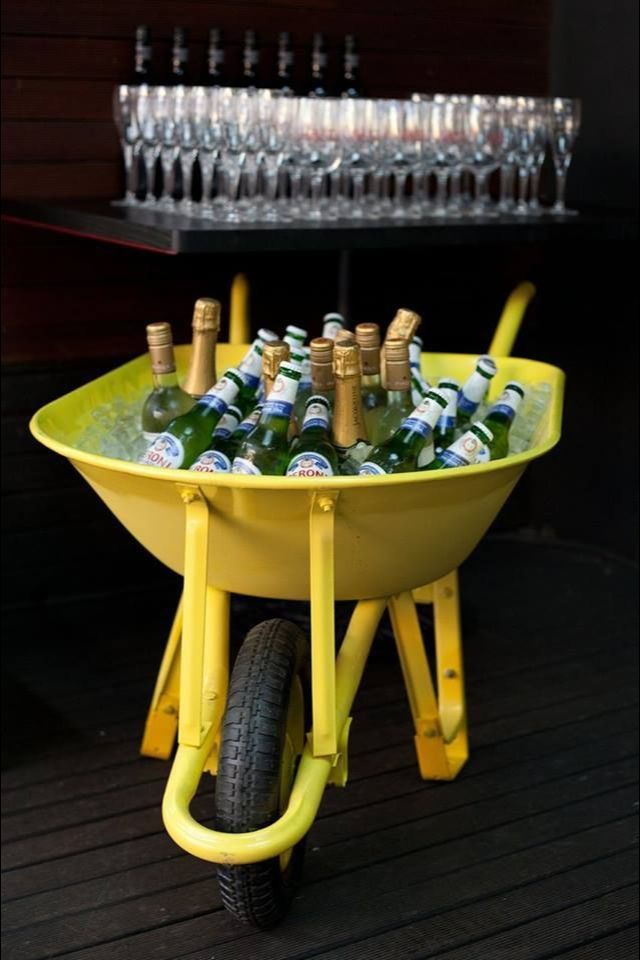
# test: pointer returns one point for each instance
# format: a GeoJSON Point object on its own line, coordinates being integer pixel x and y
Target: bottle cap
{"type": "Point", "coordinates": [267, 336]}
{"type": "Point", "coordinates": [517, 387]}
{"type": "Point", "coordinates": [368, 338]}
{"type": "Point", "coordinates": [206, 314]}
{"type": "Point", "coordinates": [318, 398]}
{"type": "Point", "coordinates": [480, 428]}
{"type": "Point", "coordinates": [346, 359]}
{"type": "Point", "coordinates": [159, 334]}
{"type": "Point", "coordinates": [486, 366]}
{"type": "Point", "coordinates": [397, 368]}
{"type": "Point", "coordinates": [404, 325]}
{"type": "Point", "coordinates": [160, 343]}
{"type": "Point", "coordinates": [296, 332]}
{"type": "Point", "coordinates": [321, 350]}
{"type": "Point", "coordinates": [273, 354]}
{"type": "Point", "coordinates": [345, 337]}
{"type": "Point", "coordinates": [322, 363]}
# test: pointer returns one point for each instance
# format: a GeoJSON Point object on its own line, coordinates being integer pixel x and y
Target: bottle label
{"type": "Point", "coordinates": [507, 403]}
{"type": "Point", "coordinates": [240, 465]}
{"type": "Point", "coordinates": [220, 395]}
{"type": "Point", "coordinates": [472, 393]}
{"type": "Point", "coordinates": [212, 461]}
{"type": "Point", "coordinates": [282, 396]}
{"type": "Point", "coordinates": [316, 415]}
{"type": "Point", "coordinates": [309, 464]}
{"type": "Point", "coordinates": [423, 418]}
{"type": "Point", "coordinates": [166, 451]}
{"type": "Point", "coordinates": [504, 408]}
{"type": "Point", "coordinates": [446, 422]}
{"type": "Point", "coordinates": [213, 401]}
{"type": "Point", "coordinates": [251, 365]}
{"type": "Point", "coordinates": [416, 426]}
{"type": "Point", "coordinates": [369, 469]}
{"type": "Point", "coordinates": [465, 451]}
{"type": "Point", "coordinates": [226, 426]}
{"type": "Point", "coordinates": [249, 422]}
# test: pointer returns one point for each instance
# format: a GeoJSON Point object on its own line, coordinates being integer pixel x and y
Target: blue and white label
{"type": "Point", "coordinates": [309, 465]}
{"type": "Point", "coordinates": [465, 451]}
{"type": "Point", "coordinates": [466, 405]}
{"type": "Point", "coordinates": [316, 415]}
{"type": "Point", "coordinates": [213, 402]}
{"type": "Point", "coordinates": [416, 426]}
{"type": "Point", "coordinates": [226, 426]}
{"type": "Point", "coordinates": [445, 423]}
{"type": "Point", "coordinates": [452, 459]}
{"type": "Point", "coordinates": [166, 451]}
{"type": "Point", "coordinates": [278, 408]}
{"type": "Point", "coordinates": [212, 461]}
{"type": "Point", "coordinates": [240, 465]}
{"type": "Point", "coordinates": [504, 408]}
{"type": "Point", "coordinates": [369, 469]}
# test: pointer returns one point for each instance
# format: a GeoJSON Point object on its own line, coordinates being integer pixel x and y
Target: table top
{"type": "Point", "coordinates": [169, 233]}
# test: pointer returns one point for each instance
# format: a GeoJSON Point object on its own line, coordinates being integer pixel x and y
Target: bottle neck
{"type": "Point", "coordinates": [163, 381]}
{"type": "Point", "coordinates": [202, 369]}
{"type": "Point", "coordinates": [348, 425]}
{"type": "Point", "coordinates": [398, 398]}
{"type": "Point", "coordinates": [371, 380]}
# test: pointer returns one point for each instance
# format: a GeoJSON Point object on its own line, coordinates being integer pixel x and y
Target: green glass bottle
{"type": "Point", "coordinates": [401, 452]}
{"type": "Point", "coordinates": [473, 391]}
{"type": "Point", "coordinates": [444, 432]}
{"type": "Point", "coordinates": [398, 381]}
{"type": "Point", "coordinates": [295, 336]}
{"type": "Point", "coordinates": [464, 451]}
{"type": "Point", "coordinates": [250, 367]}
{"type": "Point", "coordinates": [499, 420]}
{"type": "Point", "coordinates": [266, 449]}
{"type": "Point", "coordinates": [332, 324]}
{"type": "Point", "coordinates": [304, 387]}
{"type": "Point", "coordinates": [419, 386]}
{"type": "Point", "coordinates": [187, 436]}
{"type": "Point", "coordinates": [167, 400]}
{"type": "Point", "coordinates": [216, 458]}
{"type": "Point", "coordinates": [315, 456]}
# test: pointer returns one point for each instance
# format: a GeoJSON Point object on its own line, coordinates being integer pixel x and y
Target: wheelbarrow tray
{"type": "Point", "coordinates": [392, 533]}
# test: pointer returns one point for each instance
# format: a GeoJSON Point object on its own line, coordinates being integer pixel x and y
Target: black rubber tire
{"type": "Point", "coordinates": [248, 787]}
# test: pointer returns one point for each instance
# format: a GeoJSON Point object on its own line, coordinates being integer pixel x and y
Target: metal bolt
{"type": "Point", "coordinates": [430, 732]}
{"type": "Point", "coordinates": [450, 673]}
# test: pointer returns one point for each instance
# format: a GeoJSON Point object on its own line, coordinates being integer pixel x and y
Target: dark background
{"type": "Point", "coordinates": [74, 308]}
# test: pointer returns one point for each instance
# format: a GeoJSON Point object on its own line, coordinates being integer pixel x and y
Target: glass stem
{"type": "Point", "coordinates": [187, 176]}
{"type": "Point", "coordinates": [149, 158]}
{"type": "Point", "coordinates": [442, 176]}
{"type": "Point", "coordinates": [399, 187]}
{"type": "Point", "coordinates": [358, 189]}
{"type": "Point", "coordinates": [129, 167]}
{"type": "Point", "coordinates": [507, 175]}
{"type": "Point", "coordinates": [561, 183]}
{"type": "Point", "coordinates": [206, 166]}
{"type": "Point", "coordinates": [316, 192]}
{"type": "Point", "coordinates": [523, 183]}
{"type": "Point", "coordinates": [534, 201]}
{"type": "Point", "coordinates": [481, 191]}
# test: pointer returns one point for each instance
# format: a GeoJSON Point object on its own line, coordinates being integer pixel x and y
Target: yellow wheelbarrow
{"type": "Point", "coordinates": [374, 540]}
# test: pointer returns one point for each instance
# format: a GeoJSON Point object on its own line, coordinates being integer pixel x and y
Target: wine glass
{"type": "Point", "coordinates": [448, 142]}
{"type": "Point", "coordinates": [564, 125]}
{"type": "Point", "coordinates": [150, 118]}
{"type": "Point", "coordinates": [316, 125]}
{"type": "Point", "coordinates": [124, 115]}
{"type": "Point", "coordinates": [169, 145]}
{"type": "Point", "coordinates": [184, 99]}
{"type": "Point", "coordinates": [483, 147]}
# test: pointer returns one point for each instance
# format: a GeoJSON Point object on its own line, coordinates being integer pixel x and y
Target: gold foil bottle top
{"type": "Point", "coordinates": [160, 341]}
{"type": "Point", "coordinates": [397, 367]}
{"type": "Point", "coordinates": [346, 359]}
{"type": "Point", "coordinates": [404, 325]}
{"type": "Point", "coordinates": [322, 363]}
{"type": "Point", "coordinates": [368, 339]}
{"type": "Point", "coordinates": [273, 354]}
{"type": "Point", "coordinates": [206, 314]}
{"type": "Point", "coordinates": [345, 337]}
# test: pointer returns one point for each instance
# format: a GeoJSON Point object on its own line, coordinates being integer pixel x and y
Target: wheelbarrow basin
{"type": "Point", "coordinates": [392, 533]}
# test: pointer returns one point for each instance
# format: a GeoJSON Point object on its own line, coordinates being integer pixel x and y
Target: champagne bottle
{"type": "Point", "coordinates": [215, 58]}
{"type": "Point", "coordinates": [401, 453]}
{"type": "Point", "coordinates": [322, 378]}
{"type": "Point", "coordinates": [402, 327]}
{"type": "Point", "coordinates": [473, 391]}
{"type": "Point", "coordinates": [332, 324]}
{"type": "Point", "coordinates": [266, 449]}
{"type": "Point", "coordinates": [318, 84]}
{"type": "Point", "coordinates": [464, 451]}
{"type": "Point", "coordinates": [350, 86]}
{"type": "Point", "coordinates": [285, 63]}
{"type": "Point", "coordinates": [186, 437]}
{"type": "Point", "coordinates": [142, 56]}
{"type": "Point", "coordinates": [180, 56]}
{"type": "Point", "coordinates": [348, 428]}
{"type": "Point", "coordinates": [445, 428]}
{"type": "Point", "coordinates": [315, 456]}
{"type": "Point", "coordinates": [345, 337]}
{"type": "Point", "coordinates": [250, 60]}
{"type": "Point", "coordinates": [499, 420]}
{"type": "Point", "coordinates": [167, 400]}
{"type": "Point", "coordinates": [216, 458]}
{"type": "Point", "coordinates": [374, 396]}
{"type": "Point", "coordinates": [398, 380]}
{"type": "Point", "coordinates": [202, 367]}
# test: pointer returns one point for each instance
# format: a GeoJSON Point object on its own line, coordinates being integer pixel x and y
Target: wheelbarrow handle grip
{"type": "Point", "coordinates": [510, 320]}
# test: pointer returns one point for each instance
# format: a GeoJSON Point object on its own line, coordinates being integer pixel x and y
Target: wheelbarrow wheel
{"type": "Point", "coordinates": [262, 740]}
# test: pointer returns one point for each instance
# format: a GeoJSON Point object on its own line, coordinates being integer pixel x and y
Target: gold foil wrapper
{"type": "Point", "coordinates": [404, 325]}
{"type": "Point", "coordinates": [206, 314]}
{"type": "Point", "coordinates": [273, 354]}
{"type": "Point", "coordinates": [346, 359]}
{"type": "Point", "coordinates": [397, 367]}
{"type": "Point", "coordinates": [345, 337]}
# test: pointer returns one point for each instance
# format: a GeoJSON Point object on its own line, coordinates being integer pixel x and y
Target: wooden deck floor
{"type": "Point", "coordinates": [530, 854]}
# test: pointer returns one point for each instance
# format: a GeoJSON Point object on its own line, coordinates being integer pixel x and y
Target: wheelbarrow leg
{"type": "Point", "coordinates": [162, 720]}
{"type": "Point", "coordinates": [441, 744]}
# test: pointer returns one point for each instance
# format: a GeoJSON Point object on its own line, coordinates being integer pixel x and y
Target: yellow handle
{"type": "Point", "coordinates": [509, 323]}
{"type": "Point", "coordinates": [239, 331]}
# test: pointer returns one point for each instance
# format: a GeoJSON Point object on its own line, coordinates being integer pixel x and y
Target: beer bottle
{"type": "Point", "coordinates": [266, 449]}
{"type": "Point", "coordinates": [398, 380]}
{"type": "Point", "coordinates": [473, 391]}
{"type": "Point", "coordinates": [402, 327]}
{"type": "Point", "coordinates": [401, 452]}
{"type": "Point", "coordinates": [273, 354]}
{"type": "Point", "coordinates": [315, 456]}
{"type": "Point", "coordinates": [295, 336]}
{"type": "Point", "coordinates": [216, 458]}
{"type": "Point", "coordinates": [332, 323]}
{"type": "Point", "coordinates": [499, 420]}
{"type": "Point", "coordinates": [419, 386]}
{"type": "Point", "coordinates": [348, 428]}
{"type": "Point", "coordinates": [464, 451]}
{"type": "Point", "coordinates": [185, 438]}
{"type": "Point", "coordinates": [167, 400]}
{"type": "Point", "coordinates": [202, 366]}
{"type": "Point", "coordinates": [251, 368]}
{"type": "Point", "coordinates": [445, 429]}
{"type": "Point", "coordinates": [304, 387]}
{"type": "Point", "coordinates": [374, 396]}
